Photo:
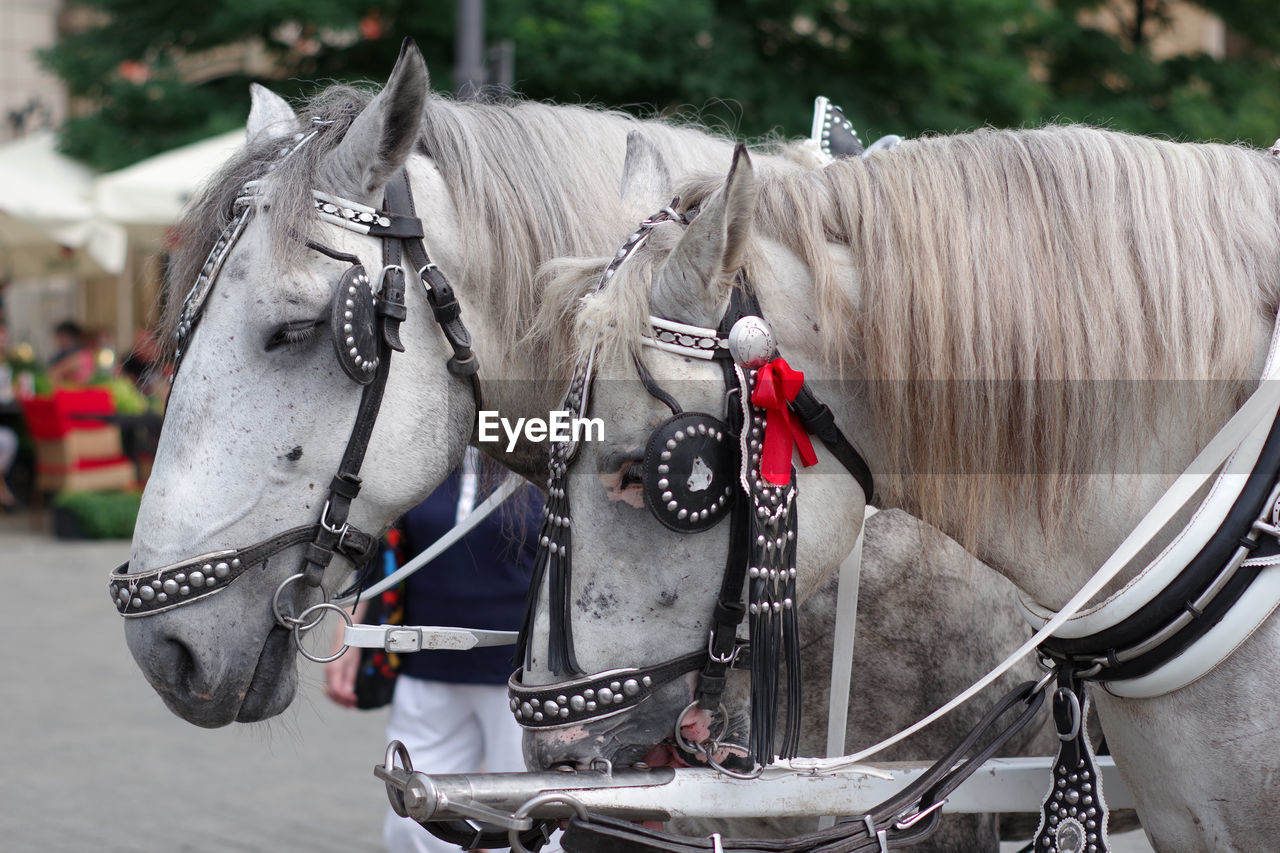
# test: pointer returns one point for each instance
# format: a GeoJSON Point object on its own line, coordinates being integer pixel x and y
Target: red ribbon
{"type": "Point", "coordinates": [777, 384]}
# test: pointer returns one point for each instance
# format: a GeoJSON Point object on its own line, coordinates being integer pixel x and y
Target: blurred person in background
{"type": "Point", "coordinates": [73, 361]}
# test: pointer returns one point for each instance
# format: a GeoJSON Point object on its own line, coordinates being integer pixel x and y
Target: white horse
{"type": "Point", "coordinates": [993, 303]}
{"type": "Point", "coordinates": [260, 409]}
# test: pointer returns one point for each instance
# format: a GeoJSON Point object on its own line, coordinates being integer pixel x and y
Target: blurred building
{"type": "Point", "coordinates": [30, 97]}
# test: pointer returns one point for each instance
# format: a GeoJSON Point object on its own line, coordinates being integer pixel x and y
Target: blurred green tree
{"type": "Point", "coordinates": [154, 75]}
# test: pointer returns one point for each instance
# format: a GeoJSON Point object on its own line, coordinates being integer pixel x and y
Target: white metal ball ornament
{"type": "Point", "coordinates": [751, 341]}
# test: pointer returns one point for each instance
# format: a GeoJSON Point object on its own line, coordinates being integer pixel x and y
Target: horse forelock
{"type": "Point", "coordinates": [1029, 301]}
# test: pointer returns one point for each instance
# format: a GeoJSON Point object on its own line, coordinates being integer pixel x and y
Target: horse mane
{"type": "Point", "coordinates": [521, 196]}
{"type": "Point", "coordinates": [1012, 295]}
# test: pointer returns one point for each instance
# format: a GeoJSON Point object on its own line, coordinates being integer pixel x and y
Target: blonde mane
{"type": "Point", "coordinates": [1025, 300]}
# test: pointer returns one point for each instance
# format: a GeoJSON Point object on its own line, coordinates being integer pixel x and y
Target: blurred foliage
{"type": "Point", "coordinates": [101, 515]}
{"type": "Point", "coordinates": [751, 66]}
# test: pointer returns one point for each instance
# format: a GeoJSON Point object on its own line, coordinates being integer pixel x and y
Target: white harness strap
{"type": "Point", "coordinates": [1253, 608]}
{"type": "Point", "coordinates": [842, 650]}
{"type": "Point", "coordinates": [462, 528]}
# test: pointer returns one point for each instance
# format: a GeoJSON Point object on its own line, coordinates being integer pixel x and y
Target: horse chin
{"type": "Point", "coordinates": [275, 680]}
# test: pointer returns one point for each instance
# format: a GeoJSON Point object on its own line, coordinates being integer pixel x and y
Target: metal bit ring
{"type": "Point", "coordinates": [300, 628]}
{"type": "Point", "coordinates": [293, 621]}
{"type": "Point", "coordinates": [697, 749]}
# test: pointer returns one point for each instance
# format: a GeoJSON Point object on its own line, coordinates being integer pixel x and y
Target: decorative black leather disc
{"type": "Point", "coordinates": [689, 470]}
{"type": "Point", "coordinates": [836, 136]}
{"type": "Point", "coordinates": [354, 326]}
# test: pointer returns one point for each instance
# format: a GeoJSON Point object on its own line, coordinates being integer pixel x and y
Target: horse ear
{"type": "Point", "coordinates": [645, 177]}
{"type": "Point", "coordinates": [270, 116]}
{"type": "Point", "coordinates": [382, 136]}
{"type": "Point", "coordinates": [687, 288]}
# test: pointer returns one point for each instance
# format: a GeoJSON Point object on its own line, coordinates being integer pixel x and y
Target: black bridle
{"type": "Point", "coordinates": [365, 323]}
{"type": "Point", "coordinates": [762, 553]}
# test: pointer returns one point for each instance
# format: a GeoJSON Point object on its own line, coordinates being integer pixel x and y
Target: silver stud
{"type": "Point", "coordinates": [662, 469]}
{"type": "Point", "coordinates": [671, 505]}
{"type": "Point", "coordinates": [161, 597]}
{"type": "Point", "coordinates": [197, 578]}
{"type": "Point", "coordinates": [171, 586]}
{"type": "Point", "coordinates": [663, 483]}
{"type": "Point", "coordinates": [210, 581]}
{"type": "Point", "coordinates": [537, 716]}
{"type": "Point", "coordinates": [155, 584]}
{"type": "Point", "coordinates": [123, 596]}
{"type": "Point", "coordinates": [682, 513]}
{"type": "Point", "coordinates": [235, 564]}
{"type": "Point", "coordinates": [550, 707]}
{"type": "Point", "coordinates": [646, 681]}
{"type": "Point", "coordinates": [679, 435]}
{"type": "Point", "coordinates": [671, 444]}
{"type": "Point", "coordinates": [184, 590]}
{"type": "Point", "coordinates": [666, 496]}
{"type": "Point", "coordinates": [526, 710]}
{"type": "Point", "coordinates": [606, 695]}
{"type": "Point", "coordinates": [589, 693]}
{"type": "Point", "coordinates": [577, 703]}
{"type": "Point", "coordinates": [564, 712]}
{"type": "Point", "coordinates": [137, 602]}
{"type": "Point", "coordinates": [515, 703]}
{"type": "Point", "coordinates": [615, 686]}
{"type": "Point", "coordinates": [665, 455]}
{"type": "Point", "coordinates": [346, 327]}
{"type": "Point", "coordinates": [354, 352]}
{"type": "Point", "coordinates": [221, 570]}
{"type": "Point", "coordinates": [631, 687]}
{"type": "Point", "coordinates": [147, 593]}
{"type": "Point", "coordinates": [180, 577]}
{"type": "Point", "coordinates": [591, 706]}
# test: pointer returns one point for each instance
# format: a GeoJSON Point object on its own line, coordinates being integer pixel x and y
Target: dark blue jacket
{"type": "Point", "coordinates": [480, 582]}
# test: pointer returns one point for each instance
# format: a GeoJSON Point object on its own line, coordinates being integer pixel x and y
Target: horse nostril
{"type": "Point", "coordinates": [178, 661]}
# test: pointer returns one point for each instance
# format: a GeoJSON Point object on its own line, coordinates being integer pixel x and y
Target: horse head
{"type": "Point", "coordinates": [648, 531]}
{"type": "Point", "coordinates": [275, 361]}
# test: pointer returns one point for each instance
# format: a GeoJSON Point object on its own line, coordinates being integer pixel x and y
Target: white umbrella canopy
{"type": "Point", "coordinates": [149, 196]}
{"type": "Point", "coordinates": [48, 225]}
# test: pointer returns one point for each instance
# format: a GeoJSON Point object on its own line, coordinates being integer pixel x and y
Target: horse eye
{"type": "Point", "coordinates": [633, 475]}
{"type": "Point", "coordinates": [294, 333]}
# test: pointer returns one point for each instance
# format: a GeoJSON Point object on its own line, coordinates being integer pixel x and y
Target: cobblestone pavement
{"type": "Point", "coordinates": [91, 760]}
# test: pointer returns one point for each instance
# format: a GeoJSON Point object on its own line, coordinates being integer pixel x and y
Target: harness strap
{"type": "Point", "coordinates": [729, 608]}
{"type": "Point", "coordinates": [819, 420]}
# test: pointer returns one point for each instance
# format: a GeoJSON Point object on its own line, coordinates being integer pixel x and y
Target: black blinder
{"type": "Point", "coordinates": [354, 323]}
{"type": "Point", "coordinates": [689, 470]}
